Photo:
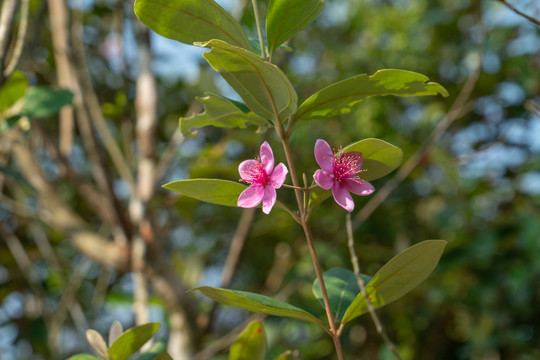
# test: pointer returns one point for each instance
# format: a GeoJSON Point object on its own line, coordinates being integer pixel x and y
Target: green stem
{"type": "Point", "coordinates": [305, 226]}
{"type": "Point", "coordinates": [259, 28]}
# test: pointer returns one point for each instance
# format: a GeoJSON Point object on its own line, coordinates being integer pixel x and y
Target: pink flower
{"type": "Point", "coordinates": [338, 171]}
{"type": "Point", "coordinates": [264, 180]}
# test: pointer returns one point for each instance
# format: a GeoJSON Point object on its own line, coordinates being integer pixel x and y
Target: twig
{"type": "Point", "coordinates": [511, 7]}
{"type": "Point", "coordinates": [259, 27]}
{"type": "Point", "coordinates": [19, 42]}
{"type": "Point", "coordinates": [7, 15]}
{"type": "Point", "coordinates": [356, 267]}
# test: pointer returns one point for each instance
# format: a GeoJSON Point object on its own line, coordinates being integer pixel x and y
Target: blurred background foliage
{"type": "Point", "coordinates": [478, 186]}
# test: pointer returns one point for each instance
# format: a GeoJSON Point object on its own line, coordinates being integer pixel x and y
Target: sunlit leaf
{"type": "Point", "coordinates": [132, 340]}
{"type": "Point", "coordinates": [12, 90]}
{"type": "Point", "coordinates": [191, 21]}
{"type": "Point", "coordinates": [284, 356]}
{"type": "Point", "coordinates": [220, 112]}
{"type": "Point", "coordinates": [341, 287]}
{"type": "Point", "coordinates": [379, 157]}
{"type": "Point", "coordinates": [98, 343]}
{"type": "Point", "coordinates": [84, 357]}
{"type": "Point", "coordinates": [214, 191]}
{"type": "Point", "coordinates": [257, 303]}
{"type": "Point", "coordinates": [263, 86]}
{"type": "Point", "coordinates": [339, 98]}
{"type": "Point", "coordinates": [250, 344]}
{"type": "Point", "coordinates": [45, 101]}
{"type": "Point", "coordinates": [400, 275]}
{"type": "Point", "coordinates": [287, 17]}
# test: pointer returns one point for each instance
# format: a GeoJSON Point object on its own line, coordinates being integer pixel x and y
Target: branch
{"type": "Point", "coordinates": [7, 15]}
{"type": "Point", "coordinates": [19, 42]}
{"type": "Point", "coordinates": [62, 216]}
{"type": "Point", "coordinates": [511, 7]}
{"type": "Point", "coordinates": [356, 267]}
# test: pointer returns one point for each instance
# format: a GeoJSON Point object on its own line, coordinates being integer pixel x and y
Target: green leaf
{"type": "Point", "coordinates": [399, 276]}
{"type": "Point", "coordinates": [158, 348]}
{"type": "Point", "coordinates": [379, 158]}
{"type": "Point", "coordinates": [191, 21]}
{"type": "Point", "coordinates": [131, 340]}
{"type": "Point", "coordinates": [339, 98]}
{"type": "Point", "coordinates": [221, 112]}
{"type": "Point", "coordinates": [341, 287]}
{"type": "Point", "coordinates": [251, 344]}
{"type": "Point", "coordinates": [164, 356]}
{"type": "Point", "coordinates": [284, 356]}
{"type": "Point", "coordinates": [257, 303]}
{"type": "Point", "coordinates": [84, 357]}
{"type": "Point", "coordinates": [265, 89]}
{"type": "Point", "coordinates": [45, 101]}
{"type": "Point", "coordinates": [214, 191]}
{"type": "Point", "coordinates": [287, 17]}
{"type": "Point", "coordinates": [12, 90]}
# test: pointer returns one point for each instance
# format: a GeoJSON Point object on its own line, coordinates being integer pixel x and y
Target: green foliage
{"type": "Point", "coordinates": [257, 303]}
{"type": "Point", "coordinates": [342, 288]}
{"type": "Point", "coordinates": [287, 17]}
{"type": "Point", "coordinates": [12, 90]}
{"type": "Point", "coordinates": [399, 276]}
{"type": "Point", "coordinates": [132, 340]}
{"type": "Point", "coordinates": [263, 86]}
{"type": "Point", "coordinates": [191, 21]}
{"type": "Point", "coordinates": [84, 357]}
{"type": "Point", "coordinates": [45, 101]}
{"type": "Point", "coordinates": [338, 98]}
{"type": "Point", "coordinates": [214, 191]}
{"type": "Point", "coordinates": [221, 112]}
{"type": "Point", "coordinates": [379, 158]}
{"type": "Point", "coordinates": [250, 344]}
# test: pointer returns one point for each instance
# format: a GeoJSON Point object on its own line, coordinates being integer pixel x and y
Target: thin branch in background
{"type": "Point", "coordinates": [19, 42]}
{"type": "Point", "coordinates": [356, 268]}
{"type": "Point", "coordinates": [7, 16]}
{"type": "Point", "coordinates": [64, 68]}
{"type": "Point", "coordinates": [520, 13]}
{"type": "Point", "coordinates": [457, 110]}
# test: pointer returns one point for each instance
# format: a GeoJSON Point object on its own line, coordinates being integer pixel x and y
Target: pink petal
{"type": "Point", "coordinates": [247, 167]}
{"type": "Point", "coordinates": [323, 179]}
{"type": "Point", "coordinates": [267, 157]}
{"type": "Point", "coordinates": [358, 186]}
{"type": "Point", "coordinates": [342, 196]}
{"type": "Point", "coordinates": [277, 178]}
{"type": "Point", "coordinates": [324, 156]}
{"type": "Point", "coordinates": [269, 199]}
{"type": "Point", "coordinates": [251, 197]}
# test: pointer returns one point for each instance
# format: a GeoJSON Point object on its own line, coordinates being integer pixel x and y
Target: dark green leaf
{"type": "Point", "coordinates": [131, 340]}
{"type": "Point", "coordinates": [191, 21]}
{"type": "Point", "coordinates": [12, 90]}
{"type": "Point", "coordinates": [341, 287]}
{"type": "Point", "coordinates": [257, 303]}
{"type": "Point", "coordinates": [214, 191]}
{"type": "Point", "coordinates": [339, 98]}
{"type": "Point", "coordinates": [45, 101]}
{"type": "Point", "coordinates": [287, 17]}
{"type": "Point", "coordinates": [263, 86]}
{"type": "Point", "coordinates": [251, 344]}
{"type": "Point", "coordinates": [379, 157]}
{"type": "Point", "coordinates": [399, 276]}
{"type": "Point", "coordinates": [221, 112]}
{"type": "Point", "coordinates": [158, 348]}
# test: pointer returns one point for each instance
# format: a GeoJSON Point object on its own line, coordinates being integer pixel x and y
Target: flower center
{"type": "Point", "coordinates": [256, 174]}
{"type": "Point", "coordinates": [346, 165]}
